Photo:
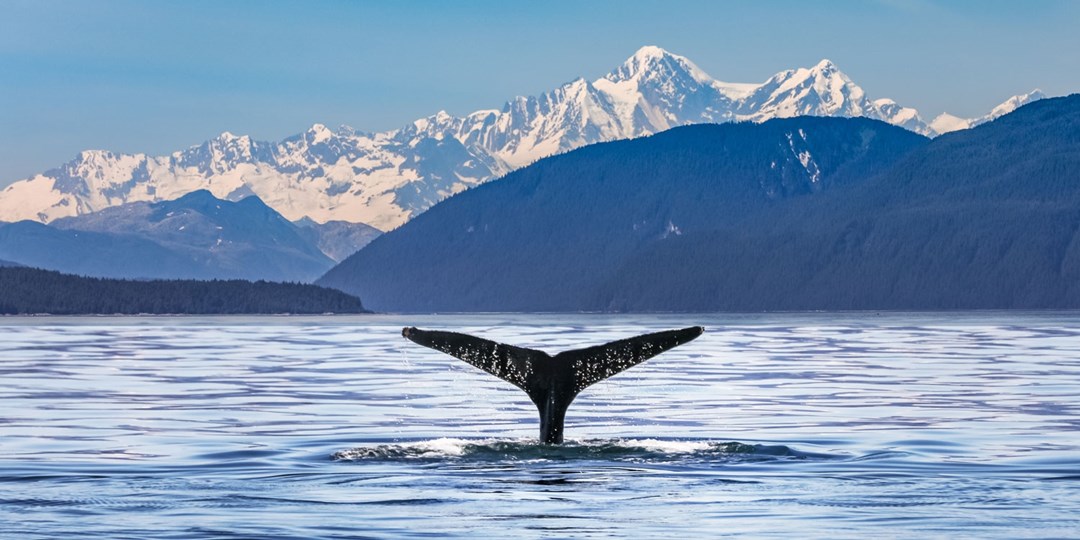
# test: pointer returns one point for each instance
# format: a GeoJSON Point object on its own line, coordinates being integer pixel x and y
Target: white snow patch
{"type": "Point", "coordinates": [946, 123]}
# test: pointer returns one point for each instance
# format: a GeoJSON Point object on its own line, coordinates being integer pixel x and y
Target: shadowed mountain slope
{"type": "Point", "coordinates": [548, 237]}
{"type": "Point", "coordinates": [196, 236]}
{"type": "Point", "coordinates": [985, 218]}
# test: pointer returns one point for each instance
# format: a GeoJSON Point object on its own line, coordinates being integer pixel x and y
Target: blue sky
{"type": "Point", "coordinates": [156, 76]}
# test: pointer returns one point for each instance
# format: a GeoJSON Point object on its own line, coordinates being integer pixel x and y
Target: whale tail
{"type": "Point", "coordinates": [552, 382]}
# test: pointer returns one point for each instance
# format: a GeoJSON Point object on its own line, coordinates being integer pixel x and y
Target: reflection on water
{"type": "Point", "coordinates": [821, 425]}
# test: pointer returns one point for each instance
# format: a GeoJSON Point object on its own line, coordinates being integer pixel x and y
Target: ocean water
{"type": "Point", "coordinates": [823, 425]}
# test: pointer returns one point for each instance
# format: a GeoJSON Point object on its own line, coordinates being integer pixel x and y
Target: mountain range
{"type": "Point", "coordinates": [789, 214]}
{"type": "Point", "coordinates": [385, 179]}
{"type": "Point", "coordinates": [543, 237]}
{"type": "Point", "coordinates": [947, 123]}
{"type": "Point", "coordinates": [194, 236]}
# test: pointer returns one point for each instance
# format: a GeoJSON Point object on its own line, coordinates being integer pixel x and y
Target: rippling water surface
{"type": "Point", "coordinates": [816, 425]}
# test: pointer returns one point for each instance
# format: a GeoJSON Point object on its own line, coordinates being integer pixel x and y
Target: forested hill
{"type": "Point", "coordinates": [987, 218]}
{"type": "Point", "coordinates": [35, 291]}
{"type": "Point", "coordinates": [799, 214]}
{"type": "Point", "coordinates": [546, 237]}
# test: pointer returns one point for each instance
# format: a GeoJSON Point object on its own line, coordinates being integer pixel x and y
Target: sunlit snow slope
{"type": "Point", "coordinates": [384, 179]}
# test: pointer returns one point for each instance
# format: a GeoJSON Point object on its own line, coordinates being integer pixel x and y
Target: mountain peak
{"type": "Point", "coordinates": [821, 75]}
{"type": "Point", "coordinates": [228, 139]}
{"type": "Point", "coordinates": [1014, 103]}
{"type": "Point", "coordinates": [647, 58]}
{"type": "Point", "coordinates": [318, 133]}
{"type": "Point", "coordinates": [825, 70]}
{"type": "Point", "coordinates": [198, 199]}
{"type": "Point", "coordinates": [825, 65]}
{"type": "Point", "coordinates": [91, 155]}
{"type": "Point", "coordinates": [650, 52]}
{"type": "Point", "coordinates": [822, 90]}
{"type": "Point", "coordinates": [434, 125]}
{"type": "Point", "coordinates": [651, 61]}
{"type": "Point", "coordinates": [946, 123]}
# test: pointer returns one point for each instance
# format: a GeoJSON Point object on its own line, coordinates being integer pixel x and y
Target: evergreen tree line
{"type": "Point", "coordinates": [35, 291]}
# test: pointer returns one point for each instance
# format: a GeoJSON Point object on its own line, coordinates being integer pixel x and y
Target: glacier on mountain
{"type": "Point", "coordinates": [384, 179]}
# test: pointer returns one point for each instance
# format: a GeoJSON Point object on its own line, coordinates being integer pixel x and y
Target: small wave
{"type": "Point", "coordinates": [587, 449]}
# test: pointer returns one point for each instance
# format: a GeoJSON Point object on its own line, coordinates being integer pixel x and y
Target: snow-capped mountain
{"type": "Point", "coordinates": [384, 179]}
{"type": "Point", "coordinates": [321, 174]}
{"type": "Point", "coordinates": [945, 122]}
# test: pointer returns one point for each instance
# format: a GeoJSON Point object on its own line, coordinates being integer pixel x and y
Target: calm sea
{"type": "Point", "coordinates": [810, 425]}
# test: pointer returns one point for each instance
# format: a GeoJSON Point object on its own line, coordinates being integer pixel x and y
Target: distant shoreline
{"type": "Point", "coordinates": [36, 292]}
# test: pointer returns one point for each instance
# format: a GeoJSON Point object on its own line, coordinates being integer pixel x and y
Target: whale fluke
{"type": "Point", "coordinates": [552, 382]}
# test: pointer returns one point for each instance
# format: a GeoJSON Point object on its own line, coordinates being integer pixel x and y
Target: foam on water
{"type": "Point", "coordinates": [585, 449]}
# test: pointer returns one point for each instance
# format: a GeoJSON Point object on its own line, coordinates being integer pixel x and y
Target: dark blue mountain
{"type": "Point", "coordinates": [978, 219]}
{"type": "Point", "coordinates": [88, 253]}
{"type": "Point", "coordinates": [552, 235]}
{"type": "Point", "coordinates": [196, 236]}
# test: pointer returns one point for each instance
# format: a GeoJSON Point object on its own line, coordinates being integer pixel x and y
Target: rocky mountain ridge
{"type": "Point", "coordinates": [385, 179]}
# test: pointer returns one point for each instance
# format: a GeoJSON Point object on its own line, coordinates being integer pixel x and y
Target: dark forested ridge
{"type": "Point", "coordinates": [700, 219]}
{"type": "Point", "coordinates": [986, 218]}
{"type": "Point", "coordinates": [545, 237]}
{"type": "Point", "coordinates": [35, 291]}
